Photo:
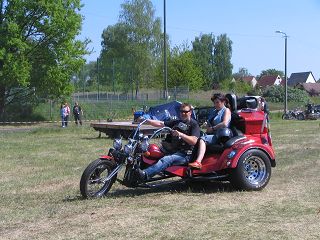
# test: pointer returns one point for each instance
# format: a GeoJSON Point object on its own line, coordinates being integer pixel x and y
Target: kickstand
{"type": "Point", "coordinates": [189, 172]}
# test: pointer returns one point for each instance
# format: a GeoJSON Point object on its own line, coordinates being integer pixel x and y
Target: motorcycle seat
{"type": "Point", "coordinates": [215, 148]}
{"type": "Point", "coordinates": [219, 147]}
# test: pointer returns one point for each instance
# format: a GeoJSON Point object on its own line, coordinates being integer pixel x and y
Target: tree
{"type": "Point", "coordinates": [243, 72]}
{"type": "Point", "coordinates": [183, 71]}
{"type": "Point", "coordinates": [135, 42]}
{"type": "Point", "coordinates": [222, 58]}
{"type": "Point", "coordinates": [202, 49]}
{"type": "Point", "coordinates": [38, 49]}
{"type": "Point", "coordinates": [271, 72]}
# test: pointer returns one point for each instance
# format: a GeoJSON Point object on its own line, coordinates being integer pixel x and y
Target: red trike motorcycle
{"type": "Point", "coordinates": [245, 159]}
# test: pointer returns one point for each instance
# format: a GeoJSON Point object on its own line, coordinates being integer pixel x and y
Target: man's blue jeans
{"type": "Point", "coordinates": [177, 158]}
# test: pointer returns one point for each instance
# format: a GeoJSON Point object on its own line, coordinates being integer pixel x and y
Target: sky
{"type": "Point", "coordinates": [250, 24]}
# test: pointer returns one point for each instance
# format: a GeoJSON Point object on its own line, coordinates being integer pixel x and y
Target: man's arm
{"type": "Point", "coordinates": [191, 140]}
{"type": "Point", "coordinates": [155, 123]}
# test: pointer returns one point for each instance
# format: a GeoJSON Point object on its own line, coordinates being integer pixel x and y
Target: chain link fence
{"type": "Point", "coordinates": [109, 105]}
{"type": "Point", "coordinates": [145, 95]}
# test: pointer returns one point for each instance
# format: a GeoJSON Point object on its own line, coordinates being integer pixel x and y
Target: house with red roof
{"type": "Point", "coordinates": [313, 89]}
{"type": "Point", "coordinates": [250, 80]}
{"type": "Point", "coordinates": [265, 81]}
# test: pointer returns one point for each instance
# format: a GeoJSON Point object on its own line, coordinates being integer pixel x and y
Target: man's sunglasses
{"type": "Point", "coordinates": [184, 111]}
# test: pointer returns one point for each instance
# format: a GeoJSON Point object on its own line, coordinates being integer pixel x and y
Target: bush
{"type": "Point", "coordinates": [276, 94]}
{"type": "Point", "coordinates": [21, 112]}
{"type": "Point", "coordinates": [238, 87]}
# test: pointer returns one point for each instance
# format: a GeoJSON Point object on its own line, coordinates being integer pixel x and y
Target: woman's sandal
{"type": "Point", "coordinates": [196, 165]}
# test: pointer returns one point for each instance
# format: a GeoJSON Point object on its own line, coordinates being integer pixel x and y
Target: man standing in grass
{"type": "Point", "coordinates": [77, 112]}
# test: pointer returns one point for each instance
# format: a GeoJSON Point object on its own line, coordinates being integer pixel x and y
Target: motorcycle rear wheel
{"type": "Point", "coordinates": [300, 116]}
{"type": "Point", "coordinates": [91, 184]}
{"type": "Point", "coordinates": [253, 171]}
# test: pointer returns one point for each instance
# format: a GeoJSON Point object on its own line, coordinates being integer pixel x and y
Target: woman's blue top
{"type": "Point", "coordinates": [217, 117]}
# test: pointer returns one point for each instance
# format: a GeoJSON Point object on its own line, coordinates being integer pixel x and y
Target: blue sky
{"type": "Point", "coordinates": [250, 24]}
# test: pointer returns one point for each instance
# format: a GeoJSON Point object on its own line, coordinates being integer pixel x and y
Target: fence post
{"type": "Point", "coordinates": [50, 109]}
{"type": "Point", "coordinates": [175, 92]}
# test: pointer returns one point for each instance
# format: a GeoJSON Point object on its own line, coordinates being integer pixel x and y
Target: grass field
{"type": "Point", "coordinates": [40, 199]}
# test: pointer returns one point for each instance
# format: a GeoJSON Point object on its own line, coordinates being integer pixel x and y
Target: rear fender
{"type": "Point", "coordinates": [233, 162]}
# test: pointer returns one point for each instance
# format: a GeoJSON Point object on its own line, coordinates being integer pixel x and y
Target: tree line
{"type": "Point", "coordinates": [132, 55]}
{"type": "Point", "coordinates": [40, 56]}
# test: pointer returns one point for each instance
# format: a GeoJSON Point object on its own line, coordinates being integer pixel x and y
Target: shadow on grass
{"type": "Point", "coordinates": [91, 138]}
{"type": "Point", "coordinates": [207, 187]}
{"type": "Point", "coordinates": [72, 198]}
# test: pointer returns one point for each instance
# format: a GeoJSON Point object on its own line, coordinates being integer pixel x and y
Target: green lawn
{"type": "Point", "coordinates": [40, 198]}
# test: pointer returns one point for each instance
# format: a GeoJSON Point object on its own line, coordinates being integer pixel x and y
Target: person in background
{"type": "Point", "coordinates": [220, 118]}
{"type": "Point", "coordinates": [265, 108]}
{"type": "Point", "coordinates": [66, 114]}
{"type": "Point", "coordinates": [62, 110]}
{"type": "Point", "coordinates": [77, 113]}
{"type": "Point", "coordinates": [264, 105]}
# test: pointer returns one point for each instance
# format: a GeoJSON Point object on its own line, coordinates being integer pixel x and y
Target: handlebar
{"type": "Point", "coordinates": [138, 128]}
{"type": "Point", "coordinates": [161, 130]}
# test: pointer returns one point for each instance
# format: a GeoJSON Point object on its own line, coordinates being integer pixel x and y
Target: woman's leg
{"type": "Point", "coordinates": [201, 151]}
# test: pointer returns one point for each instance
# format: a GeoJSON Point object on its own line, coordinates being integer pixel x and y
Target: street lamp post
{"type": "Point", "coordinates": [98, 76]}
{"type": "Point", "coordinates": [165, 70]}
{"type": "Point", "coordinates": [285, 70]}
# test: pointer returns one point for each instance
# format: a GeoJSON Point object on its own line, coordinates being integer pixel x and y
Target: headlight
{"type": "Point", "coordinates": [128, 148]}
{"type": "Point", "coordinates": [145, 144]}
{"type": "Point", "coordinates": [117, 144]}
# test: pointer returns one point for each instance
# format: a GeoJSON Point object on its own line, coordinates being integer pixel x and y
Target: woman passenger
{"type": "Point", "coordinates": [220, 118]}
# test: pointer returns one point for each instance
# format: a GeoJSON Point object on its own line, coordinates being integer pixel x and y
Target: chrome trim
{"type": "Point", "coordinates": [114, 172]}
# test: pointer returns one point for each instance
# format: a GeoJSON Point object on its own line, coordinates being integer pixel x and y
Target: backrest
{"type": "Point", "coordinates": [232, 99]}
{"type": "Point", "coordinates": [235, 118]}
{"type": "Point", "coordinates": [247, 102]}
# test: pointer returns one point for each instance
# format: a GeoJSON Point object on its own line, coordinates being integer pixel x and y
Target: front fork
{"type": "Point", "coordinates": [113, 172]}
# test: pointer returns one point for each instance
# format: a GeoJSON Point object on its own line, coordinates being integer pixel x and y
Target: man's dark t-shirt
{"type": "Point", "coordinates": [192, 129]}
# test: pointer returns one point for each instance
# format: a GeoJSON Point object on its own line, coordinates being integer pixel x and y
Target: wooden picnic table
{"type": "Point", "coordinates": [125, 129]}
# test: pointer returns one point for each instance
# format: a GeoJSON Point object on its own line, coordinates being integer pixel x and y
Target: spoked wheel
{"type": "Point", "coordinates": [253, 171]}
{"type": "Point", "coordinates": [92, 183]}
{"type": "Point", "coordinates": [285, 116]}
{"type": "Point", "coordinates": [300, 116]}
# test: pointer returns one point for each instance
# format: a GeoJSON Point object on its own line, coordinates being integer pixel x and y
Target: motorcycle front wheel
{"type": "Point", "coordinates": [285, 116]}
{"type": "Point", "coordinates": [92, 182]}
